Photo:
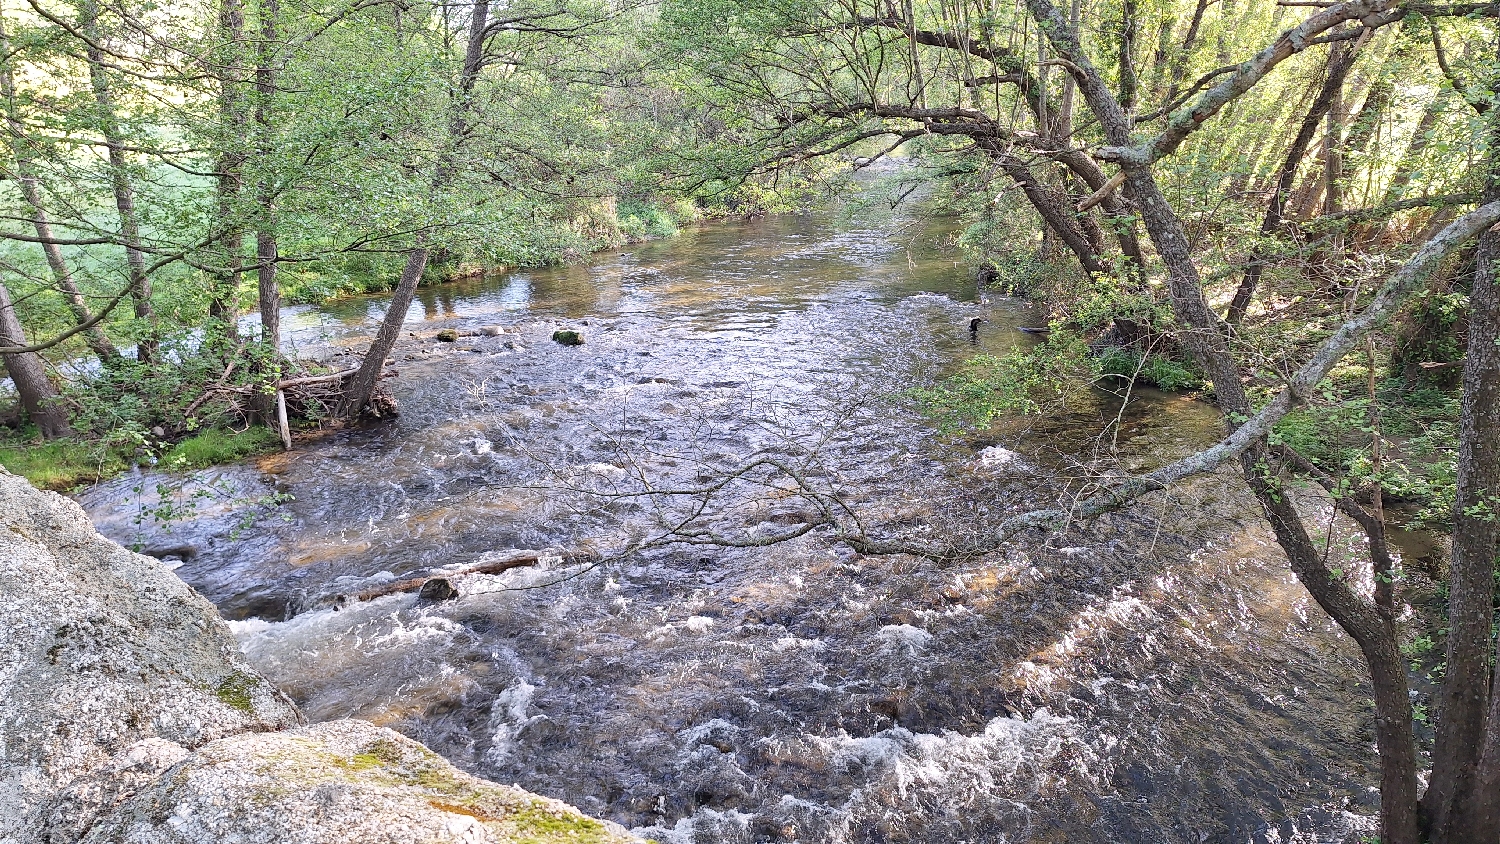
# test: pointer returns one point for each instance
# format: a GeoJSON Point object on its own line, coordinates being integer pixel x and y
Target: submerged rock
{"type": "Point", "coordinates": [128, 714]}
{"type": "Point", "coordinates": [438, 589]}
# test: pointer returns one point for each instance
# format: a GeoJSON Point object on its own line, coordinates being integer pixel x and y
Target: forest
{"type": "Point", "coordinates": [1281, 211]}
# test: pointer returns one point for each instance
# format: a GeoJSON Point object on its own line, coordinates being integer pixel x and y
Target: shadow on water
{"type": "Point", "coordinates": [1153, 677]}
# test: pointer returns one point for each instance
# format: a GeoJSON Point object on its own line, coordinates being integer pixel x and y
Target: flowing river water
{"type": "Point", "coordinates": [1156, 676]}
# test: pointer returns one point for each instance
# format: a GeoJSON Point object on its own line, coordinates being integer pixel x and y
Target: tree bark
{"type": "Point", "coordinates": [38, 398]}
{"type": "Point", "coordinates": [1179, 62]}
{"type": "Point", "coordinates": [26, 178]}
{"type": "Point", "coordinates": [1202, 334]}
{"type": "Point", "coordinates": [1339, 63]}
{"type": "Point", "coordinates": [1405, 168]}
{"type": "Point", "coordinates": [357, 393]}
{"type": "Point", "coordinates": [266, 252]}
{"type": "Point", "coordinates": [1058, 218]}
{"type": "Point", "coordinates": [1455, 799]}
{"type": "Point", "coordinates": [1128, 81]}
{"type": "Point", "coordinates": [223, 306]}
{"type": "Point", "coordinates": [120, 184]}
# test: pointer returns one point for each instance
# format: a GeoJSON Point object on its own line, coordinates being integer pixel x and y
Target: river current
{"type": "Point", "coordinates": [1155, 676]}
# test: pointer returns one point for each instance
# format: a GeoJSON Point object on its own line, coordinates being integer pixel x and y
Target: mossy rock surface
{"type": "Point", "coordinates": [335, 783]}
{"type": "Point", "coordinates": [567, 337]}
{"type": "Point", "coordinates": [129, 715]}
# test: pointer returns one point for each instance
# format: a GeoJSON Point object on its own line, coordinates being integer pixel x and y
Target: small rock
{"type": "Point", "coordinates": [567, 337]}
{"type": "Point", "coordinates": [158, 432]}
{"type": "Point", "coordinates": [438, 589]}
{"type": "Point", "coordinates": [491, 331]}
{"type": "Point", "coordinates": [447, 335]}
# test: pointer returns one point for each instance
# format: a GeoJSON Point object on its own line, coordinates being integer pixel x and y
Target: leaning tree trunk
{"type": "Point", "coordinates": [1203, 335]}
{"type": "Point", "coordinates": [38, 398]}
{"type": "Point", "coordinates": [361, 386]}
{"type": "Point", "coordinates": [1051, 207]}
{"type": "Point", "coordinates": [120, 182]}
{"type": "Point", "coordinates": [1339, 63]}
{"type": "Point", "coordinates": [26, 179]}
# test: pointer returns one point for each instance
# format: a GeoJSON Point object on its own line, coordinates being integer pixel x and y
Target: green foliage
{"type": "Point", "coordinates": [1420, 434]}
{"type": "Point", "coordinates": [214, 446]}
{"type": "Point", "coordinates": [62, 464]}
{"type": "Point", "coordinates": [1156, 370]}
{"type": "Point", "coordinates": [639, 220]}
{"type": "Point", "coordinates": [987, 387]}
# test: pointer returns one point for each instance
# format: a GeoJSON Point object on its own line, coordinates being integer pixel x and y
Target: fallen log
{"type": "Point", "coordinates": [520, 559]}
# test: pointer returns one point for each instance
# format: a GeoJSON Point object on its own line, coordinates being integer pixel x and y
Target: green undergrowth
{"type": "Point", "coordinates": [1419, 436]}
{"type": "Point", "coordinates": [62, 464]}
{"type": "Point", "coordinates": [216, 445]}
{"type": "Point", "coordinates": [1158, 371]}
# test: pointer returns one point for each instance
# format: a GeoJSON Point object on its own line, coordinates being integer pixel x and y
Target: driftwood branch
{"type": "Point", "coordinates": [315, 379]}
{"type": "Point", "coordinates": [522, 559]}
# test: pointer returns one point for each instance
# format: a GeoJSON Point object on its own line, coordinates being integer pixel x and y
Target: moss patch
{"type": "Point", "coordinates": [235, 691]}
{"type": "Point", "coordinates": [539, 824]}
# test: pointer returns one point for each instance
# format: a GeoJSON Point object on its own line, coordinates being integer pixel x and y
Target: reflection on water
{"type": "Point", "coordinates": [1155, 676]}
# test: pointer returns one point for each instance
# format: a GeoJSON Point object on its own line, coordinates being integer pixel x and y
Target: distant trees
{"type": "Point", "coordinates": [165, 159]}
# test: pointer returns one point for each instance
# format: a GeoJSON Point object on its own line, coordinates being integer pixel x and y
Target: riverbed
{"type": "Point", "coordinates": [1155, 676]}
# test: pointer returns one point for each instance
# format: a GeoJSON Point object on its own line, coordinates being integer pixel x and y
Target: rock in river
{"type": "Point", "coordinates": [128, 714]}
{"type": "Point", "coordinates": [567, 337]}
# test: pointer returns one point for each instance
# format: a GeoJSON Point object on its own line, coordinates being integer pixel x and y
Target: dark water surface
{"type": "Point", "coordinates": [1154, 677]}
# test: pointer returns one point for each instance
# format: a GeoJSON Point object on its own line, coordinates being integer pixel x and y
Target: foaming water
{"type": "Point", "coordinates": [1153, 677]}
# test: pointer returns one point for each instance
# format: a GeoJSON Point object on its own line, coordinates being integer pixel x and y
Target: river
{"type": "Point", "coordinates": [1156, 676]}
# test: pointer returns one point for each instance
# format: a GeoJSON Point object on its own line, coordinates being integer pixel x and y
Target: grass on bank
{"type": "Point", "coordinates": [63, 465]}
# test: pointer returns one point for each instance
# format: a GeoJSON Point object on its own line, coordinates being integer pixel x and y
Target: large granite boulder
{"type": "Point", "coordinates": [128, 714]}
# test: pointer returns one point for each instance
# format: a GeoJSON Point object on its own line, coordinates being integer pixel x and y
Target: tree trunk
{"type": "Point", "coordinates": [1179, 62]}
{"type": "Point", "coordinates": [1454, 798]}
{"type": "Point", "coordinates": [1203, 336]}
{"type": "Point", "coordinates": [362, 384]}
{"type": "Point", "coordinates": [1333, 153]}
{"type": "Point", "coordinates": [1128, 82]}
{"type": "Point", "coordinates": [1405, 168]}
{"type": "Point", "coordinates": [120, 183]}
{"type": "Point", "coordinates": [268, 290]}
{"type": "Point", "coordinates": [1049, 205]}
{"type": "Point", "coordinates": [223, 307]}
{"type": "Point", "coordinates": [1339, 62]}
{"type": "Point", "coordinates": [38, 398]}
{"type": "Point", "coordinates": [30, 185]}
